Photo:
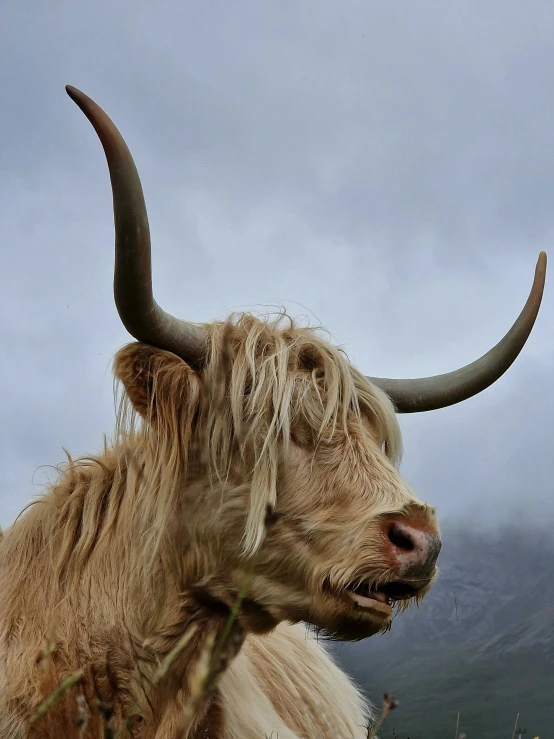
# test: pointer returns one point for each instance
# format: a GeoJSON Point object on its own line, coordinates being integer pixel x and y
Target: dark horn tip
{"type": "Point", "coordinates": [77, 96]}
{"type": "Point", "coordinates": [540, 273]}
{"type": "Point", "coordinates": [86, 104]}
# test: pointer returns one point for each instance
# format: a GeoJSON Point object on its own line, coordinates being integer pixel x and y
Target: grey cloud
{"type": "Point", "coordinates": [384, 168]}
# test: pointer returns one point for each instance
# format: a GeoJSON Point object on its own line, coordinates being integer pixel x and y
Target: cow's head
{"type": "Point", "coordinates": [283, 455]}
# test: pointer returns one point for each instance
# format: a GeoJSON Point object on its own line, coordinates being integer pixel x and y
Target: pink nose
{"type": "Point", "coordinates": [414, 550]}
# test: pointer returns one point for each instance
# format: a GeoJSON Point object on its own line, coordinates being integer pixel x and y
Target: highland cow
{"type": "Point", "coordinates": [251, 489]}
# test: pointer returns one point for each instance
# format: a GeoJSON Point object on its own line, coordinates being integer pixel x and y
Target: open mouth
{"type": "Point", "coordinates": [380, 598]}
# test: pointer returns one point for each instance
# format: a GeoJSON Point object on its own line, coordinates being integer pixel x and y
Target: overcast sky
{"type": "Point", "coordinates": [383, 168]}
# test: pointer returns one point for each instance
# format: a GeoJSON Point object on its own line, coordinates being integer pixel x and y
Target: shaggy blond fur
{"type": "Point", "coordinates": [277, 463]}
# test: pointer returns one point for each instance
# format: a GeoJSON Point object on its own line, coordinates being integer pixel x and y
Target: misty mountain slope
{"type": "Point", "coordinates": [482, 643]}
{"type": "Point", "coordinates": [535, 631]}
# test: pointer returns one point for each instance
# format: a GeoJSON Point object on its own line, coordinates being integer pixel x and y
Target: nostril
{"type": "Point", "coordinates": [400, 537]}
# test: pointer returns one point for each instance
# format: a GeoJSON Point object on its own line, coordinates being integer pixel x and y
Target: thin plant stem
{"type": "Point", "coordinates": [56, 695]}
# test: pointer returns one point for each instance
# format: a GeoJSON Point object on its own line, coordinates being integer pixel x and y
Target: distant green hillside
{"type": "Point", "coordinates": [432, 685]}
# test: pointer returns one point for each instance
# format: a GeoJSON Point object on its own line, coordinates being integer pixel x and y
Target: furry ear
{"type": "Point", "coordinates": [159, 384]}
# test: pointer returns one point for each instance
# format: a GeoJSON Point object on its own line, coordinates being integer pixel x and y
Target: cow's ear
{"type": "Point", "coordinates": [159, 384]}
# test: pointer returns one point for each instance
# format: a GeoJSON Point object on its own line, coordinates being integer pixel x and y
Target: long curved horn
{"type": "Point", "coordinates": [139, 312]}
{"type": "Point", "coordinates": [146, 321]}
{"type": "Point", "coordinates": [431, 393]}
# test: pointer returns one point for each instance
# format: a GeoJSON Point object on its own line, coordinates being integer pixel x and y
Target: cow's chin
{"type": "Point", "coordinates": [334, 617]}
{"type": "Point", "coordinates": [341, 620]}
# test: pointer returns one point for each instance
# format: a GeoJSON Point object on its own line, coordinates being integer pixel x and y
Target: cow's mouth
{"type": "Point", "coordinates": [380, 598]}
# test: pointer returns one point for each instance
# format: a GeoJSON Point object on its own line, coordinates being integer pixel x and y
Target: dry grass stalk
{"type": "Point", "coordinates": [174, 653]}
{"type": "Point", "coordinates": [56, 695]}
{"type": "Point", "coordinates": [515, 726]}
{"type": "Point", "coordinates": [212, 664]}
{"type": "Point", "coordinates": [389, 704]}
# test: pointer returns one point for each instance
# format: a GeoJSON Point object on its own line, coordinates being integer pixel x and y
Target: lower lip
{"type": "Point", "coordinates": [375, 606]}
